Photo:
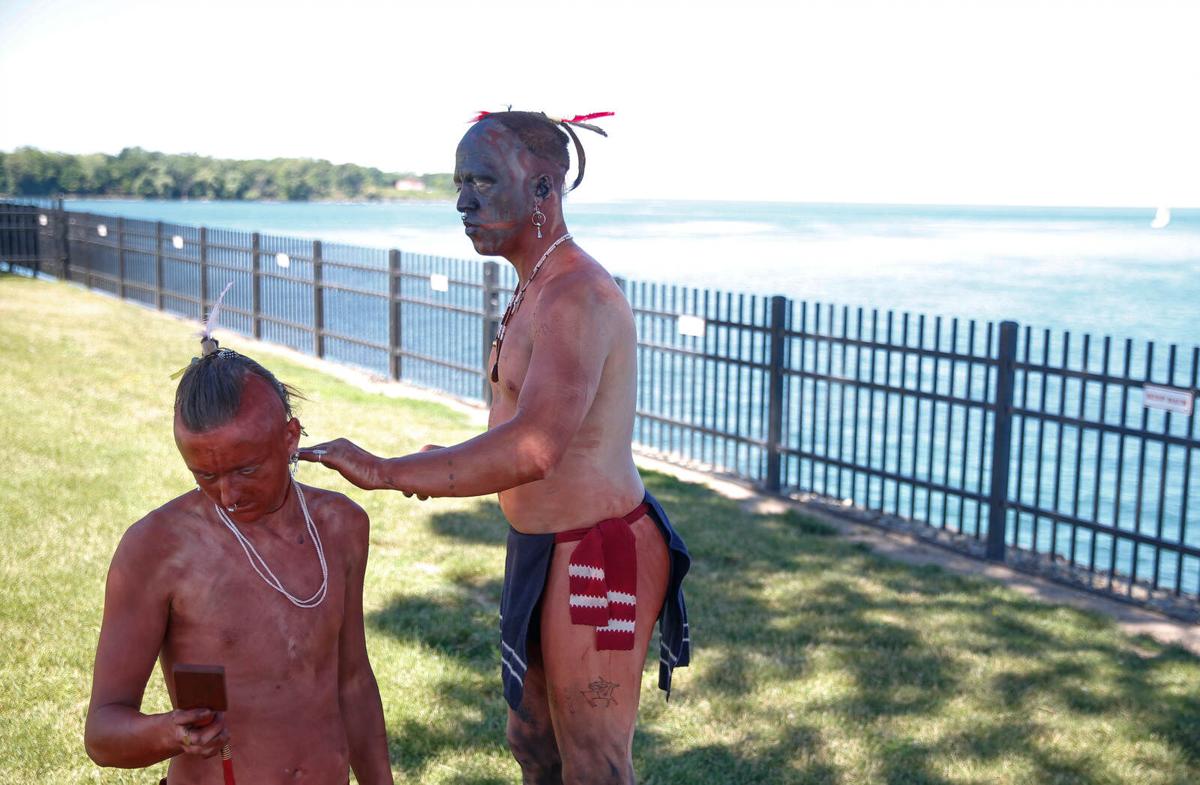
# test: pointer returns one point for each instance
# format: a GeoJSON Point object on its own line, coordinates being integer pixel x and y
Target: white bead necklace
{"type": "Point", "coordinates": [270, 579]}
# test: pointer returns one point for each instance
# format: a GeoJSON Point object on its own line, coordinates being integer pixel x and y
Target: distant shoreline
{"type": "Point", "coordinates": [119, 198]}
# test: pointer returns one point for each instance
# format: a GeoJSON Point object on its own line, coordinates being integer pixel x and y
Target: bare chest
{"type": "Point", "coordinates": [510, 358]}
{"type": "Point", "coordinates": [222, 609]}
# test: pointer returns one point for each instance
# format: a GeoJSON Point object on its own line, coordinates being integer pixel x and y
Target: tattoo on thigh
{"type": "Point", "coordinates": [600, 693]}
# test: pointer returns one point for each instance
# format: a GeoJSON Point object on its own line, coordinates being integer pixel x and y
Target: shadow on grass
{"type": "Point", "coordinates": [795, 757]}
{"type": "Point", "coordinates": [861, 611]}
{"type": "Point", "coordinates": [460, 626]}
{"type": "Point", "coordinates": [482, 524]}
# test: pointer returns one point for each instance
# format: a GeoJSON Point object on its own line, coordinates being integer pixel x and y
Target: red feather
{"type": "Point", "coordinates": [579, 118]}
{"type": "Point", "coordinates": [478, 117]}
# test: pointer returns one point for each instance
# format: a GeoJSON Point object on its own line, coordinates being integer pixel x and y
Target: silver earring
{"type": "Point", "coordinates": [539, 218]}
{"type": "Point", "coordinates": [295, 462]}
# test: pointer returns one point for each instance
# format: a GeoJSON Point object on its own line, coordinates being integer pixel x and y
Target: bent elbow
{"type": "Point", "coordinates": [96, 753]}
{"type": "Point", "coordinates": [539, 460]}
{"type": "Point", "coordinates": [96, 748]}
{"type": "Point", "coordinates": [539, 467]}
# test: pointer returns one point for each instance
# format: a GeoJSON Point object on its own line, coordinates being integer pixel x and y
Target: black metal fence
{"type": "Point", "coordinates": [1083, 451]}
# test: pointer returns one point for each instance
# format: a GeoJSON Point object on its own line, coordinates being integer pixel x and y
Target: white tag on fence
{"type": "Point", "coordinates": [282, 259]}
{"type": "Point", "coordinates": [43, 220]}
{"type": "Point", "coordinates": [177, 241]}
{"type": "Point", "coordinates": [102, 230]}
{"type": "Point", "coordinates": [691, 325]}
{"type": "Point", "coordinates": [1168, 399]}
{"type": "Point", "coordinates": [439, 282]}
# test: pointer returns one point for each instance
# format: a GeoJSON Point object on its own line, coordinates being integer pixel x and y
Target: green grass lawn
{"type": "Point", "coordinates": [815, 661]}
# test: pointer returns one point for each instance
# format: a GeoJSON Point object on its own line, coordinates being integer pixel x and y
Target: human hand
{"type": "Point", "coordinates": [198, 731]}
{"type": "Point", "coordinates": [348, 459]}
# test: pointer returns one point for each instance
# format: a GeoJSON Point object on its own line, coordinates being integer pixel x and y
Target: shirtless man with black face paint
{"type": "Point", "coordinates": [558, 452]}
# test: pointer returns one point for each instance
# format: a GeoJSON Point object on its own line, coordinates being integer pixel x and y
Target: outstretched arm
{"type": "Point", "coordinates": [136, 607]}
{"type": "Point", "coordinates": [358, 692]}
{"type": "Point", "coordinates": [571, 341]}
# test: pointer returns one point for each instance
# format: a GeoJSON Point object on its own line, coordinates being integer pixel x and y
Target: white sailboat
{"type": "Point", "coordinates": [1162, 217]}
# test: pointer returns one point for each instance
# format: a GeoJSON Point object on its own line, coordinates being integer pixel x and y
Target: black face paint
{"type": "Point", "coordinates": [492, 178]}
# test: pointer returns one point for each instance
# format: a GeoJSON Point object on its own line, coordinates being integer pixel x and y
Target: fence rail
{"type": "Point", "coordinates": [1085, 452]}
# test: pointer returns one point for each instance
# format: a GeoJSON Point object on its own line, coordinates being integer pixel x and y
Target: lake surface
{"type": "Point", "coordinates": [1099, 270]}
{"type": "Point", "coordinates": [1106, 272]}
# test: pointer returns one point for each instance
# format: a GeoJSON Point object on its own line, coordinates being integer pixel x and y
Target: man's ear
{"type": "Point", "coordinates": [293, 429]}
{"type": "Point", "coordinates": [543, 186]}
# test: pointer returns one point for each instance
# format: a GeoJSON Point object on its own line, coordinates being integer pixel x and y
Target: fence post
{"type": "Point", "coordinates": [393, 284]}
{"type": "Point", "coordinates": [121, 258]}
{"type": "Point", "coordinates": [778, 338]}
{"type": "Point", "coordinates": [491, 322]}
{"type": "Point", "coordinates": [1002, 441]}
{"type": "Point", "coordinates": [255, 285]}
{"type": "Point", "coordinates": [35, 228]}
{"type": "Point", "coordinates": [158, 265]}
{"type": "Point", "coordinates": [89, 249]}
{"type": "Point", "coordinates": [62, 245]}
{"type": "Point", "coordinates": [203, 271]}
{"type": "Point", "coordinates": [318, 302]}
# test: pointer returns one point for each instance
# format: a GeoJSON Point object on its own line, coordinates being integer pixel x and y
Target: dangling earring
{"type": "Point", "coordinates": [539, 218]}
{"type": "Point", "coordinates": [295, 462]}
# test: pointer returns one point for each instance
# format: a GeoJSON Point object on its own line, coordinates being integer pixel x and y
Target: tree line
{"type": "Point", "coordinates": [139, 173]}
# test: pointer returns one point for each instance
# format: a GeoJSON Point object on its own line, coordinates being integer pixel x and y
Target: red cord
{"type": "Point", "coordinates": [227, 765]}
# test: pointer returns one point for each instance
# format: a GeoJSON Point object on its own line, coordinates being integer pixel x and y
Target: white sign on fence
{"type": "Point", "coordinates": [177, 241]}
{"type": "Point", "coordinates": [43, 220]}
{"type": "Point", "coordinates": [1168, 399]}
{"type": "Point", "coordinates": [102, 230]}
{"type": "Point", "coordinates": [691, 325]}
{"type": "Point", "coordinates": [439, 283]}
{"type": "Point", "coordinates": [282, 259]}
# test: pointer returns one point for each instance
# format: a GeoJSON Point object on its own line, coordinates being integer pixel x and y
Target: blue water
{"type": "Point", "coordinates": [1097, 270]}
{"type": "Point", "coordinates": [902, 451]}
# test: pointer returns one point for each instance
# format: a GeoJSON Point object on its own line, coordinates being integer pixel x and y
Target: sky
{"type": "Point", "coordinates": [965, 102]}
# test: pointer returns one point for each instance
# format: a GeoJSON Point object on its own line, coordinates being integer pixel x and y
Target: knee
{"type": "Point", "coordinates": [536, 752]}
{"type": "Point", "coordinates": [597, 763]}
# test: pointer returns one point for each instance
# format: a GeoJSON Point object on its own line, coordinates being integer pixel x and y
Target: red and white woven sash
{"type": "Point", "coordinates": [603, 579]}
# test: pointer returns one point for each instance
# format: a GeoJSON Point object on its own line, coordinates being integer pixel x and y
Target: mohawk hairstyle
{"type": "Point", "coordinates": [211, 389]}
{"type": "Point", "coordinates": [544, 138]}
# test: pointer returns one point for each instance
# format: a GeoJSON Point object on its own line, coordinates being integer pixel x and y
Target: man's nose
{"type": "Point", "coordinates": [229, 492]}
{"type": "Point", "coordinates": [466, 200]}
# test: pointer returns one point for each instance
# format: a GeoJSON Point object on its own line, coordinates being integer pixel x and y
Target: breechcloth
{"type": "Point", "coordinates": [603, 586]}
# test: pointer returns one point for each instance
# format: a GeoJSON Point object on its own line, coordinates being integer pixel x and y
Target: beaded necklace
{"type": "Point", "coordinates": [270, 579]}
{"type": "Point", "coordinates": [515, 303]}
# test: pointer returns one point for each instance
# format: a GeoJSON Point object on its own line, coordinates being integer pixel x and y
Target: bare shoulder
{"type": "Point", "coordinates": [151, 544]}
{"type": "Point", "coordinates": [582, 288]}
{"type": "Point", "coordinates": [337, 513]}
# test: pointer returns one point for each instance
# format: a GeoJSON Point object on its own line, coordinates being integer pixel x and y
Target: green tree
{"type": "Point", "coordinates": [153, 175]}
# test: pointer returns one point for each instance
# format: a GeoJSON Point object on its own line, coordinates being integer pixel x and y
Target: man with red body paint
{"type": "Point", "coordinates": [303, 702]}
{"type": "Point", "coordinates": [558, 453]}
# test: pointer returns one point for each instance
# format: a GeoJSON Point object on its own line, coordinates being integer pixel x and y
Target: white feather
{"type": "Point", "coordinates": [214, 315]}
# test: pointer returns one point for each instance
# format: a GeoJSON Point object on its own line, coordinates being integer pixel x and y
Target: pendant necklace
{"type": "Point", "coordinates": [515, 303]}
{"type": "Point", "coordinates": [269, 577]}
